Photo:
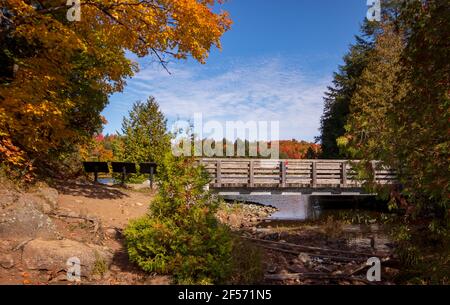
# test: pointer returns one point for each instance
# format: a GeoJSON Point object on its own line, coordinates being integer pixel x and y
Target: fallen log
{"type": "Point", "coordinates": [331, 257]}
{"type": "Point", "coordinates": [95, 222]}
{"type": "Point", "coordinates": [309, 248]}
{"type": "Point", "coordinates": [313, 276]}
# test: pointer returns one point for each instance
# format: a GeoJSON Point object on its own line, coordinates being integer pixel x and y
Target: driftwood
{"type": "Point", "coordinates": [22, 244]}
{"type": "Point", "coordinates": [331, 257]}
{"type": "Point", "coordinates": [95, 222]}
{"type": "Point", "coordinates": [311, 249]}
{"type": "Point", "coordinates": [312, 275]}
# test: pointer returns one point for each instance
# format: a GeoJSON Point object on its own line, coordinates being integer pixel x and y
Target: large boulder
{"type": "Point", "coordinates": [47, 199]}
{"type": "Point", "coordinates": [21, 216]}
{"type": "Point", "coordinates": [52, 255]}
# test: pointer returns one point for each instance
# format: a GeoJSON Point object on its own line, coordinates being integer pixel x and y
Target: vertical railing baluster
{"type": "Point", "coordinates": [283, 174]}
{"type": "Point", "coordinates": [344, 174]}
{"type": "Point", "coordinates": [314, 175]}
{"type": "Point", "coordinates": [251, 174]}
{"type": "Point", "coordinates": [219, 173]}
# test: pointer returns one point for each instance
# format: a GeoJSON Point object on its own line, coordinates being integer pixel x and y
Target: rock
{"type": "Point", "coordinates": [304, 258]}
{"type": "Point", "coordinates": [115, 268]}
{"type": "Point", "coordinates": [25, 218]}
{"type": "Point", "coordinates": [272, 269]}
{"type": "Point", "coordinates": [283, 235]}
{"type": "Point", "coordinates": [234, 221]}
{"type": "Point", "coordinates": [272, 236]}
{"type": "Point", "coordinates": [50, 196]}
{"type": "Point", "coordinates": [106, 275]}
{"type": "Point", "coordinates": [61, 277]}
{"type": "Point", "coordinates": [111, 233]}
{"type": "Point", "coordinates": [6, 261]}
{"type": "Point", "coordinates": [5, 245]}
{"type": "Point", "coordinates": [46, 208]}
{"type": "Point", "coordinates": [159, 280]}
{"type": "Point", "coordinates": [297, 268]}
{"type": "Point", "coordinates": [40, 254]}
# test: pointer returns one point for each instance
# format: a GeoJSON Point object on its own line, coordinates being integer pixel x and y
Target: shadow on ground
{"type": "Point", "coordinates": [98, 191]}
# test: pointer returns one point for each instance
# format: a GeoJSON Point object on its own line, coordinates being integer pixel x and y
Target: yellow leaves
{"type": "Point", "coordinates": [60, 62]}
{"type": "Point", "coordinates": [342, 141]}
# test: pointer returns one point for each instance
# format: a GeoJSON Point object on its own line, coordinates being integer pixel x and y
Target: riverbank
{"type": "Point", "coordinates": [41, 226]}
{"type": "Point", "coordinates": [325, 251]}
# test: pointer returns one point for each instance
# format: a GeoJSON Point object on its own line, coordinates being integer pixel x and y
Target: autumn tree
{"type": "Point", "coordinates": [400, 112]}
{"type": "Point", "coordinates": [369, 133]}
{"type": "Point", "coordinates": [421, 116]}
{"type": "Point", "coordinates": [57, 75]}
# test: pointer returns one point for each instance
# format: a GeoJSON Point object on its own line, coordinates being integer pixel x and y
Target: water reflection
{"type": "Point", "coordinates": [293, 207]}
{"type": "Point", "coordinates": [306, 207]}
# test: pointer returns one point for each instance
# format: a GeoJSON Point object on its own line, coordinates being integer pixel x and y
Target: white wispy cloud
{"type": "Point", "coordinates": [264, 89]}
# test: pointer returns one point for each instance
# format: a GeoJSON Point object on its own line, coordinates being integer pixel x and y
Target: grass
{"type": "Point", "coordinates": [247, 265]}
{"type": "Point", "coordinates": [100, 266]}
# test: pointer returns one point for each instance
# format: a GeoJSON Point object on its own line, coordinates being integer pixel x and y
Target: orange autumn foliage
{"type": "Point", "coordinates": [292, 149]}
{"type": "Point", "coordinates": [56, 75]}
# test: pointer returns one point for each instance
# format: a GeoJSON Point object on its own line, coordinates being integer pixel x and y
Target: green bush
{"type": "Point", "coordinates": [180, 235]}
{"type": "Point", "coordinates": [247, 268]}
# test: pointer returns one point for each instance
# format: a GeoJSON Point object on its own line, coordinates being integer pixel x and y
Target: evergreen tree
{"type": "Point", "coordinates": [146, 137]}
{"type": "Point", "coordinates": [368, 130]}
{"type": "Point", "coordinates": [346, 80]}
{"type": "Point", "coordinates": [338, 96]}
{"type": "Point", "coordinates": [421, 117]}
{"type": "Point", "coordinates": [399, 112]}
{"type": "Point", "coordinates": [181, 235]}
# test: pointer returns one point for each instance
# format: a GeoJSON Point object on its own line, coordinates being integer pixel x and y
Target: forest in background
{"type": "Point", "coordinates": [389, 101]}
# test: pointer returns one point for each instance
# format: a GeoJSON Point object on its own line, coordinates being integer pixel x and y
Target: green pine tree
{"type": "Point", "coordinates": [146, 138]}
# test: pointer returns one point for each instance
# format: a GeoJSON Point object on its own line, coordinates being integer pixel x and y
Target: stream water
{"type": "Point", "coordinates": [308, 207]}
{"type": "Point", "coordinates": [302, 207]}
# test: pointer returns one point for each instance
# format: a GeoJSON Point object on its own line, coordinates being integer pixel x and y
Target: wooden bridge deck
{"type": "Point", "coordinates": [288, 174]}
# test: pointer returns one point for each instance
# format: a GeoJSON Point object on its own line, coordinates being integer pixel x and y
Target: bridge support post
{"type": "Point", "coordinates": [374, 171]}
{"type": "Point", "coordinates": [344, 174]}
{"type": "Point", "coordinates": [219, 173]}
{"type": "Point", "coordinates": [282, 174]}
{"type": "Point", "coordinates": [251, 174]}
{"type": "Point", "coordinates": [314, 175]}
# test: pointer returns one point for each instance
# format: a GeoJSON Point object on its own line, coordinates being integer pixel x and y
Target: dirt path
{"type": "Point", "coordinates": [114, 206]}
{"type": "Point", "coordinates": [76, 204]}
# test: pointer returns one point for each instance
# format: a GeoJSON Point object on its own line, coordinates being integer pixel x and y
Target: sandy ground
{"type": "Point", "coordinates": [114, 206]}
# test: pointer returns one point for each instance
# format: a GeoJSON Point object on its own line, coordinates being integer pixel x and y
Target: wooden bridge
{"type": "Point", "coordinates": [290, 176]}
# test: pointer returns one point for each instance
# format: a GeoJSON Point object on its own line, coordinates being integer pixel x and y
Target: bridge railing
{"type": "Point", "coordinates": [261, 173]}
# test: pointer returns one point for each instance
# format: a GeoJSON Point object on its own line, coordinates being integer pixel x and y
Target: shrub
{"type": "Point", "coordinates": [246, 263]}
{"type": "Point", "coordinates": [180, 235]}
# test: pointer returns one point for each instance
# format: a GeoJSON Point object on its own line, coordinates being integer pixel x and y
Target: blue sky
{"type": "Point", "coordinates": [275, 65]}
